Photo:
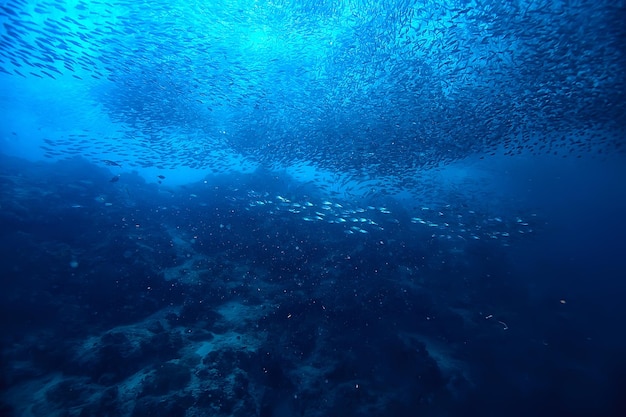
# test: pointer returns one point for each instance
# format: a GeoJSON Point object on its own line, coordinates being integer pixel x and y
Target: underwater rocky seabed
{"type": "Point", "coordinates": [257, 294]}
{"type": "Point", "coordinates": [123, 299]}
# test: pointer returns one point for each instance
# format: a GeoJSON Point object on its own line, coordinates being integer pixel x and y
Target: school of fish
{"type": "Point", "coordinates": [376, 91]}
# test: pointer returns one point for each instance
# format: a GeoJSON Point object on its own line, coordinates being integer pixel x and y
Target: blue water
{"type": "Point", "coordinates": [322, 208]}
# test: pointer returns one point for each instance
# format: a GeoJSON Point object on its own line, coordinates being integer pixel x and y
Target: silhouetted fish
{"type": "Point", "coordinates": [115, 178]}
{"type": "Point", "coordinates": [111, 163]}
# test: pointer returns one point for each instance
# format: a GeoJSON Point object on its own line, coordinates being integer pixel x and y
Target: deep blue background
{"type": "Point", "coordinates": [312, 208]}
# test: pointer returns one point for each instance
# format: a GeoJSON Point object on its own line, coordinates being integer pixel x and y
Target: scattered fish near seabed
{"type": "Point", "coordinates": [356, 221]}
